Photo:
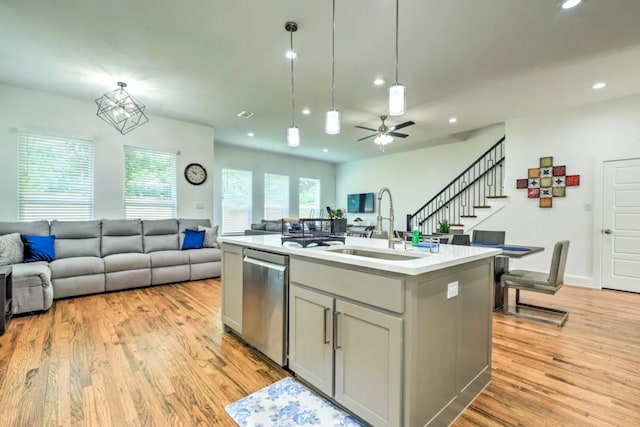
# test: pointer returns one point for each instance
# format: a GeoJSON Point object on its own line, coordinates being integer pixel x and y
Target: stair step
{"type": "Point", "coordinates": [496, 197]}
{"type": "Point", "coordinates": [481, 207]}
{"type": "Point", "coordinates": [456, 225]}
{"type": "Point", "coordinates": [468, 216]}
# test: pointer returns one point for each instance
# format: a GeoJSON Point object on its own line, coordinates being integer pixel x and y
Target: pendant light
{"type": "Point", "coordinates": [397, 92]}
{"type": "Point", "coordinates": [293, 133]}
{"type": "Point", "coordinates": [332, 122]}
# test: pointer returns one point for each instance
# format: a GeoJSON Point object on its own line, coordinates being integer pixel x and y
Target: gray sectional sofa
{"type": "Point", "coordinates": [108, 255]}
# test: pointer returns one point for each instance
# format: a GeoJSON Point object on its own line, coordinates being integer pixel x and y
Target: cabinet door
{"type": "Point", "coordinates": [310, 337]}
{"type": "Point", "coordinates": [232, 286]}
{"type": "Point", "coordinates": [368, 373]}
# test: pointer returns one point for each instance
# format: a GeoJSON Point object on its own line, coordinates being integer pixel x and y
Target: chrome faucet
{"type": "Point", "coordinates": [380, 218]}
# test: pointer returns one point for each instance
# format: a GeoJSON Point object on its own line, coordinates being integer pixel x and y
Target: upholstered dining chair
{"type": "Point", "coordinates": [488, 237]}
{"type": "Point", "coordinates": [524, 280]}
{"type": "Point", "coordinates": [460, 239]}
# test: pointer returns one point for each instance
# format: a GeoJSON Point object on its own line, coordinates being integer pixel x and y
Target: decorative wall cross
{"type": "Point", "coordinates": [547, 182]}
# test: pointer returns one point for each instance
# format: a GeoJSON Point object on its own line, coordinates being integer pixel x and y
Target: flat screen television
{"type": "Point", "coordinates": [360, 203]}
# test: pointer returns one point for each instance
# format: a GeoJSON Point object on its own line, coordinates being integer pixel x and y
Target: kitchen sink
{"type": "Point", "coordinates": [374, 254]}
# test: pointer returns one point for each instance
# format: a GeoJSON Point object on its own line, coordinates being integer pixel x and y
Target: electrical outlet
{"type": "Point", "coordinates": [452, 290]}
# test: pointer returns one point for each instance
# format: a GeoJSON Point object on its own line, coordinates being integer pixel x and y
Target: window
{"type": "Point", "coordinates": [55, 177]}
{"type": "Point", "coordinates": [236, 200]}
{"type": "Point", "coordinates": [149, 183]}
{"type": "Point", "coordinates": [276, 196]}
{"type": "Point", "coordinates": [309, 190]}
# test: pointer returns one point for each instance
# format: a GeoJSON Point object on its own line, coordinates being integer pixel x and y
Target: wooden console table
{"type": "Point", "coordinates": [5, 298]}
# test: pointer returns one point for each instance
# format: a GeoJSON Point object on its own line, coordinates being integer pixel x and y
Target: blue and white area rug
{"type": "Point", "coordinates": [288, 403]}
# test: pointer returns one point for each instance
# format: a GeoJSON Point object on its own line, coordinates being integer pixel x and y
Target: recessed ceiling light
{"type": "Point", "coordinates": [251, 134]}
{"type": "Point", "coordinates": [245, 114]}
{"type": "Point", "coordinates": [598, 85]}
{"type": "Point", "coordinates": [291, 54]}
{"type": "Point", "coordinates": [453, 120]}
{"type": "Point", "coordinates": [568, 4]}
{"type": "Point", "coordinates": [379, 81]}
{"type": "Point", "coordinates": [324, 150]}
{"type": "Point", "coordinates": [306, 111]}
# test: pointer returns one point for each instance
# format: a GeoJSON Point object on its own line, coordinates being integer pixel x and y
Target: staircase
{"type": "Point", "coordinates": [468, 200]}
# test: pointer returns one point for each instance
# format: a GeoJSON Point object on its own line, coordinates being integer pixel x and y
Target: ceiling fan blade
{"type": "Point", "coordinates": [367, 137]}
{"type": "Point", "coordinates": [372, 130]}
{"type": "Point", "coordinates": [398, 135]}
{"type": "Point", "coordinates": [402, 125]}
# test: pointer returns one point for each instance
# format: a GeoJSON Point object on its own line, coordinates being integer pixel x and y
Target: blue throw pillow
{"type": "Point", "coordinates": [39, 248]}
{"type": "Point", "coordinates": [193, 239]}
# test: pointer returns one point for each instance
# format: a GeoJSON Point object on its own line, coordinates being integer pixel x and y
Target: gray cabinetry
{"type": "Point", "coordinates": [232, 287]}
{"type": "Point", "coordinates": [365, 343]}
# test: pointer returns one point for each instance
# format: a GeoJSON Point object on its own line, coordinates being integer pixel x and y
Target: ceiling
{"type": "Point", "coordinates": [204, 61]}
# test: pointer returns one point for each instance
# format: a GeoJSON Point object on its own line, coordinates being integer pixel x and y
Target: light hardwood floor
{"type": "Point", "coordinates": [158, 356]}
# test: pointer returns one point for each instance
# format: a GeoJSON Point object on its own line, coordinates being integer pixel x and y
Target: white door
{"type": "Point", "coordinates": [621, 225]}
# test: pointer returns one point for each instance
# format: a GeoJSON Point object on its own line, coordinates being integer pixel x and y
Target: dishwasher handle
{"type": "Point", "coordinates": [265, 264]}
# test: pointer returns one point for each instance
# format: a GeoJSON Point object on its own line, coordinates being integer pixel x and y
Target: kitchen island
{"type": "Point", "coordinates": [398, 337]}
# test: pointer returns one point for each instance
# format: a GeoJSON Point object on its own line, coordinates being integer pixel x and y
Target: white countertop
{"type": "Point", "coordinates": [448, 256]}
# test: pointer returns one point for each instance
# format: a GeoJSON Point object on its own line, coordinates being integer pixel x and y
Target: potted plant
{"type": "Point", "coordinates": [443, 226]}
{"type": "Point", "coordinates": [338, 222]}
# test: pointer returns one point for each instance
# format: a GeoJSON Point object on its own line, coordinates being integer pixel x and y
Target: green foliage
{"type": "Point", "coordinates": [443, 226]}
{"type": "Point", "coordinates": [337, 213]}
{"type": "Point", "coordinates": [357, 219]}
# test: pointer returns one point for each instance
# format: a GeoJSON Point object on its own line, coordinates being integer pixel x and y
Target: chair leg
{"type": "Point", "coordinates": [520, 305]}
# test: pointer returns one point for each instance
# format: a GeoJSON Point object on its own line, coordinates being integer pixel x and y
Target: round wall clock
{"type": "Point", "coordinates": [195, 173]}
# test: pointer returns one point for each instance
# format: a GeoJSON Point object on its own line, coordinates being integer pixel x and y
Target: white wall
{"type": "Point", "coordinates": [261, 162]}
{"type": "Point", "coordinates": [413, 177]}
{"type": "Point", "coordinates": [56, 115]}
{"type": "Point", "coordinates": [582, 139]}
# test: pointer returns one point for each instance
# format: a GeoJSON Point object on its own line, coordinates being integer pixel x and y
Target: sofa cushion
{"type": "Point", "coordinates": [199, 256]}
{"type": "Point", "coordinates": [261, 226]}
{"type": "Point", "coordinates": [11, 249]}
{"type": "Point", "coordinates": [36, 228]}
{"type": "Point", "coordinates": [160, 235]}
{"type": "Point", "coordinates": [121, 236]}
{"type": "Point", "coordinates": [210, 236]}
{"type": "Point", "coordinates": [122, 262]}
{"type": "Point", "coordinates": [169, 258]}
{"type": "Point", "coordinates": [76, 238]}
{"type": "Point", "coordinates": [38, 248]}
{"type": "Point", "coordinates": [76, 266]}
{"type": "Point", "coordinates": [191, 224]}
{"type": "Point", "coordinates": [272, 224]}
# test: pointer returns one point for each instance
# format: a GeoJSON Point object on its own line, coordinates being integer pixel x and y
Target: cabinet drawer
{"type": "Point", "coordinates": [372, 289]}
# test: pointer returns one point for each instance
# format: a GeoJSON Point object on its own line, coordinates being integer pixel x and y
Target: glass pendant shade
{"type": "Point", "coordinates": [293, 137]}
{"type": "Point", "coordinates": [332, 123]}
{"type": "Point", "coordinates": [383, 139]}
{"type": "Point", "coordinates": [397, 100]}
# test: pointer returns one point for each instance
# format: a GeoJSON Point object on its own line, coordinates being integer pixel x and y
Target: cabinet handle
{"type": "Point", "coordinates": [335, 330]}
{"type": "Point", "coordinates": [324, 326]}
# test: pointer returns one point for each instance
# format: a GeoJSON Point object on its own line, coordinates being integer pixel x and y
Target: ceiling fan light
{"type": "Point", "coordinates": [293, 137]}
{"type": "Point", "coordinates": [397, 100]}
{"type": "Point", "coordinates": [383, 139]}
{"type": "Point", "coordinates": [568, 4]}
{"type": "Point", "coordinates": [332, 123]}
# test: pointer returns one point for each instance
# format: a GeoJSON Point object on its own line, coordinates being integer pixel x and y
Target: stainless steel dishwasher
{"type": "Point", "coordinates": [265, 294]}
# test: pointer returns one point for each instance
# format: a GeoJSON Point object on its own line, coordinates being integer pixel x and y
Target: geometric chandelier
{"type": "Point", "coordinates": [121, 110]}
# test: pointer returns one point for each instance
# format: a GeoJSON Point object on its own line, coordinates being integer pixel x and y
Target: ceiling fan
{"type": "Point", "coordinates": [384, 130]}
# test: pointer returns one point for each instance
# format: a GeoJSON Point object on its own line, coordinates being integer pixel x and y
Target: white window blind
{"type": "Point", "coordinates": [236, 200]}
{"type": "Point", "coordinates": [149, 183]}
{"type": "Point", "coordinates": [276, 196]}
{"type": "Point", "coordinates": [55, 177]}
{"type": "Point", "coordinates": [309, 193]}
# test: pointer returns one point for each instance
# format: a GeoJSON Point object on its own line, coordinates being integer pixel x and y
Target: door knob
{"type": "Point", "coordinates": [607, 231]}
